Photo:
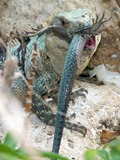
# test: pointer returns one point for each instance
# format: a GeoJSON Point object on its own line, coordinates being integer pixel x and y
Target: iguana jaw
{"type": "Point", "coordinates": [90, 43]}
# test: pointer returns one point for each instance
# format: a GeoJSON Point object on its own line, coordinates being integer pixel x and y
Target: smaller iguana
{"type": "Point", "coordinates": [84, 37]}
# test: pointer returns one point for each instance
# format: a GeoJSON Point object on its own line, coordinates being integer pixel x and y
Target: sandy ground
{"type": "Point", "coordinates": [100, 106]}
{"type": "Point", "coordinates": [102, 102]}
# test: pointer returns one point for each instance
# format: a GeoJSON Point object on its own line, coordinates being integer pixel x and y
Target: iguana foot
{"type": "Point", "coordinates": [76, 127]}
{"type": "Point", "coordinates": [80, 92]}
{"type": "Point", "coordinates": [45, 114]}
{"type": "Point", "coordinates": [89, 80]}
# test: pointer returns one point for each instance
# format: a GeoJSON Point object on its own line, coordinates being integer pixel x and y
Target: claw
{"type": "Point", "coordinates": [96, 18]}
{"type": "Point", "coordinates": [77, 93]}
{"type": "Point", "coordinates": [76, 127]}
{"type": "Point", "coordinates": [93, 22]}
{"type": "Point", "coordinates": [38, 28]}
{"type": "Point", "coordinates": [84, 90]}
{"type": "Point", "coordinates": [105, 20]}
{"type": "Point", "coordinates": [102, 17]}
{"type": "Point", "coordinates": [94, 29]}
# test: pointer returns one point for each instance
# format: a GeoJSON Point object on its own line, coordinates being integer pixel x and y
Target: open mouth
{"type": "Point", "coordinates": [90, 43]}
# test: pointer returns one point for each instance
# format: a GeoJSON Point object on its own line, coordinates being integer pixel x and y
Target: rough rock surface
{"type": "Point", "coordinates": [102, 102]}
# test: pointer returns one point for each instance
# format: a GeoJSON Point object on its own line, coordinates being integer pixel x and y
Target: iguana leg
{"type": "Point", "coordinates": [45, 114]}
{"type": "Point", "coordinates": [80, 92]}
{"type": "Point", "coordinates": [76, 127]}
{"type": "Point", "coordinates": [42, 110]}
{"type": "Point", "coordinates": [19, 88]}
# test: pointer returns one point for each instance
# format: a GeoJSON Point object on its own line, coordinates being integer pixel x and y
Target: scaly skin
{"type": "Point", "coordinates": [66, 84]}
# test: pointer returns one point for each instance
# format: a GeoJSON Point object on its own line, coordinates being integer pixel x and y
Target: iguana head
{"type": "Point", "coordinates": [72, 22]}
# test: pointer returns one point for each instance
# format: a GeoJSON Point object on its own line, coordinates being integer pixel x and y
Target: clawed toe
{"type": "Point", "coordinates": [81, 92]}
{"type": "Point", "coordinates": [76, 127]}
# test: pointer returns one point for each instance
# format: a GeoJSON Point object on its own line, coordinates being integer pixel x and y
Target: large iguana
{"type": "Point", "coordinates": [73, 36]}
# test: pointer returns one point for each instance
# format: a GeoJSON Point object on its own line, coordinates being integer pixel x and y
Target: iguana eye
{"type": "Point", "coordinates": [64, 23]}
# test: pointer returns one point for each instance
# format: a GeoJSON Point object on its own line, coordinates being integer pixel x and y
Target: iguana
{"type": "Point", "coordinates": [73, 36]}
